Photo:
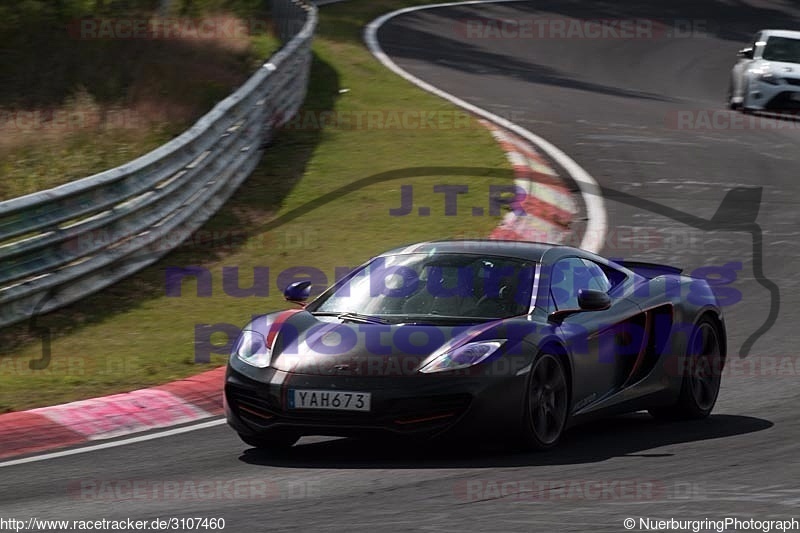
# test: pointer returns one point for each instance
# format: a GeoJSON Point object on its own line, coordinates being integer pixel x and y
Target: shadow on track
{"type": "Point", "coordinates": [467, 57]}
{"type": "Point", "coordinates": [629, 435]}
{"type": "Point", "coordinates": [449, 41]}
{"type": "Point", "coordinates": [732, 20]}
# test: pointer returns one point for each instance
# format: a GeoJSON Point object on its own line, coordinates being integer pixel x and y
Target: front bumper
{"type": "Point", "coordinates": [784, 96]}
{"type": "Point", "coordinates": [424, 405]}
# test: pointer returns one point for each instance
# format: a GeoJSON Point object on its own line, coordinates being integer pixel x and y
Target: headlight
{"type": "Point", "coordinates": [769, 77]}
{"type": "Point", "coordinates": [462, 357]}
{"type": "Point", "coordinates": [252, 349]}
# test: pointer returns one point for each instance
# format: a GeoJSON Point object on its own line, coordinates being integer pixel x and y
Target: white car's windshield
{"type": "Point", "coordinates": [447, 285]}
{"type": "Point", "coordinates": [782, 49]}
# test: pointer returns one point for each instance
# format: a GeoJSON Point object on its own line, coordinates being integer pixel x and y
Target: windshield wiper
{"type": "Point", "coordinates": [355, 317]}
{"type": "Point", "coordinates": [448, 319]}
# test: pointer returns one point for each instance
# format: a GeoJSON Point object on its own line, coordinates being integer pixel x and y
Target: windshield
{"type": "Point", "coordinates": [782, 49]}
{"type": "Point", "coordinates": [425, 285]}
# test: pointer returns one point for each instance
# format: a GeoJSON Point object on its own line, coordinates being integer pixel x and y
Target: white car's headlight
{"type": "Point", "coordinates": [252, 349]}
{"type": "Point", "coordinates": [462, 357]}
{"type": "Point", "coordinates": [769, 77]}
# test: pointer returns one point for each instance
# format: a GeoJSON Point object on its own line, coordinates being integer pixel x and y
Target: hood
{"type": "Point", "coordinates": [304, 344]}
{"type": "Point", "coordinates": [780, 69]}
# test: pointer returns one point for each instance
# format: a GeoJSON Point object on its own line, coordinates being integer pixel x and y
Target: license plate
{"type": "Point", "coordinates": [329, 399]}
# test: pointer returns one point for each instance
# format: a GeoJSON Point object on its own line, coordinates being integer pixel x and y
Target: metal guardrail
{"type": "Point", "coordinates": [59, 245]}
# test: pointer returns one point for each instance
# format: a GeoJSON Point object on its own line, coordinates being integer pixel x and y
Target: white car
{"type": "Point", "coordinates": [767, 76]}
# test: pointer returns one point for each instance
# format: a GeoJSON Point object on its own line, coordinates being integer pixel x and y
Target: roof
{"type": "Point", "coordinates": [530, 251]}
{"type": "Point", "coordinates": [780, 33]}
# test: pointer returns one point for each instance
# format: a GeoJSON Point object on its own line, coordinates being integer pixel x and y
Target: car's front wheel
{"type": "Point", "coordinates": [743, 106]}
{"type": "Point", "coordinates": [731, 103]}
{"type": "Point", "coordinates": [702, 367]}
{"type": "Point", "coordinates": [276, 442]}
{"type": "Point", "coordinates": [547, 402]}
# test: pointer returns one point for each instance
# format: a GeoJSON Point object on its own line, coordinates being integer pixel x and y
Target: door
{"type": "Point", "coordinates": [604, 345]}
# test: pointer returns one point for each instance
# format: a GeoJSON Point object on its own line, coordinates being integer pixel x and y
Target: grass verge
{"type": "Point", "coordinates": [74, 104]}
{"type": "Point", "coordinates": [134, 335]}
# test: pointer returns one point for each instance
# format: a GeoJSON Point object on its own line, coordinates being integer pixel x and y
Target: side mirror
{"type": "Point", "coordinates": [298, 291]}
{"type": "Point", "coordinates": [590, 300]}
{"type": "Point", "coordinates": [746, 53]}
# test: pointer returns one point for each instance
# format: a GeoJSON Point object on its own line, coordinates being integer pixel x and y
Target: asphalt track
{"type": "Point", "coordinates": [607, 103]}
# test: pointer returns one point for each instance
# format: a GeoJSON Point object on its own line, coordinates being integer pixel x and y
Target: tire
{"type": "Point", "coordinates": [731, 104]}
{"type": "Point", "coordinates": [276, 442]}
{"type": "Point", "coordinates": [546, 407]}
{"type": "Point", "coordinates": [743, 106]}
{"type": "Point", "coordinates": [701, 378]}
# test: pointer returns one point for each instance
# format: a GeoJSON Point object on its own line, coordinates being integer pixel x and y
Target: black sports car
{"type": "Point", "coordinates": [507, 338]}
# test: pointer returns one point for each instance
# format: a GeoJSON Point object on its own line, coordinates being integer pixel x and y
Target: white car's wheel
{"type": "Point", "coordinates": [743, 106]}
{"type": "Point", "coordinates": [732, 103]}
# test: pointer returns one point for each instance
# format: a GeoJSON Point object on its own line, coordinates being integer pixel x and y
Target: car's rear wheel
{"type": "Point", "coordinates": [547, 402]}
{"type": "Point", "coordinates": [702, 368]}
{"type": "Point", "coordinates": [275, 442]}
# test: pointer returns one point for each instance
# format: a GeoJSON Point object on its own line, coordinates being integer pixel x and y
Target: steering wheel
{"type": "Point", "coordinates": [501, 297]}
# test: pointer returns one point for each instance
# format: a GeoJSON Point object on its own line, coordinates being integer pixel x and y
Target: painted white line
{"type": "Point", "coordinates": [114, 444]}
{"type": "Point", "coordinates": [596, 227]}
